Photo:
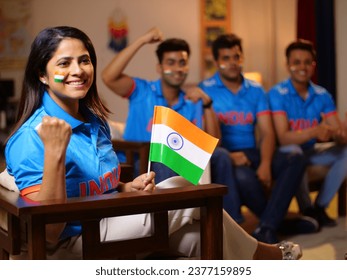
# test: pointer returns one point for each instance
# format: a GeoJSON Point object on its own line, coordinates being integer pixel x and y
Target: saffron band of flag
{"type": "Point", "coordinates": [164, 115]}
{"type": "Point", "coordinates": [179, 144]}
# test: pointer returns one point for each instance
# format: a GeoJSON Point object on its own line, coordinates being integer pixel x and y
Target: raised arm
{"type": "Point", "coordinates": [113, 75]}
{"type": "Point", "coordinates": [55, 135]}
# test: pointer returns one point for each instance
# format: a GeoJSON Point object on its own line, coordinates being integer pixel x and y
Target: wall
{"type": "Point", "coordinates": [266, 27]}
{"type": "Point", "coordinates": [265, 36]}
{"type": "Point", "coordinates": [341, 54]}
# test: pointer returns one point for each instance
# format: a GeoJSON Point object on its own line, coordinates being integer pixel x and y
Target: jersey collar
{"type": "Point", "coordinates": [181, 96]}
{"type": "Point", "coordinates": [293, 91]}
{"type": "Point", "coordinates": [244, 85]}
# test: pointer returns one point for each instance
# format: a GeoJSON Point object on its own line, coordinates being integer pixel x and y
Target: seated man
{"type": "Point", "coordinates": [241, 107]}
{"type": "Point", "coordinates": [304, 114]}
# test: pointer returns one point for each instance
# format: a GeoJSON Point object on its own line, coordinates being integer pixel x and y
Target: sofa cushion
{"type": "Point", "coordinates": [7, 181]}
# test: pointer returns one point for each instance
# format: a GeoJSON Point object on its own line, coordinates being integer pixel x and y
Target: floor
{"type": "Point", "coordinates": [327, 244]}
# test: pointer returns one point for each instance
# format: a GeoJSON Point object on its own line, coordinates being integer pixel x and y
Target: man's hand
{"type": "Point", "coordinates": [195, 94]}
{"type": "Point", "coordinates": [264, 175]}
{"type": "Point", "coordinates": [324, 132]}
{"type": "Point", "coordinates": [239, 159]}
{"type": "Point", "coordinates": [154, 35]}
{"type": "Point", "coordinates": [340, 135]}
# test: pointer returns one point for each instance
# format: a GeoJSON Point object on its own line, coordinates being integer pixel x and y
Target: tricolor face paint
{"type": "Point", "coordinates": [59, 77]}
{"type": "Point", "coordinates": [168, 72]}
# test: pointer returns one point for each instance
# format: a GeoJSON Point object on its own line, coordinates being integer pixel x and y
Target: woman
{"type": "Point", "coordinates": [68, 153]}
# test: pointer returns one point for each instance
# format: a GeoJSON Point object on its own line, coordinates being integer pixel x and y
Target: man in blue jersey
{"type": "Point", "coordinates": [193, 104]}
{"type": "Point", "coordinates": [266, 181]}
{"type": "Point", "coordinates": [304, 114]}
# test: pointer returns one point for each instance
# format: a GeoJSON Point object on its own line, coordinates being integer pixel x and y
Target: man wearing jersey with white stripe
{"type": "Point", "coordinates": [304, 114]}
{"type": "Point", "coordinates": [266, 180]}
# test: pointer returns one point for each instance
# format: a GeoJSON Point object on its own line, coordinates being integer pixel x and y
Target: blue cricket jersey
{"type": "Point", "coordinates": [237, 112]}
{"type": "Point", "coordinates": [301, 114]}
{"type": "Point", "coordinates": [92, 166]}
{"type": "Point", "coordinates": [144, 96]}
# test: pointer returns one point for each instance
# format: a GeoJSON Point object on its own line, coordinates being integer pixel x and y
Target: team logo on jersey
{"type": "Point", "coordinates": [175, 141]}
{"type": "Point", "coordinates": [283, 90]}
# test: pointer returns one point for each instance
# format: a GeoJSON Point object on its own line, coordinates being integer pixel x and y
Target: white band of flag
{"type": "Point", "coordinates": [179, 144]}
{"type": "Point", "coordinates": [162, 134]}
{"type": "Point", "coordinates": [58, 78]}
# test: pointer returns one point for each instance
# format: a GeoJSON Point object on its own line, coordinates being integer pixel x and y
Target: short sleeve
{"type": "Point", "coordinates": [275, 101]}
{"type": "Point", "coordinates": [24, 157]}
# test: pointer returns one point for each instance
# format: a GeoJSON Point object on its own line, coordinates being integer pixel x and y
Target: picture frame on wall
{"type": "Point", "coordinates": [15, 38]}
{"type": "Point", "coordinates": [215, 20]}
{"type": "Point", "coordinates": [215, 10]}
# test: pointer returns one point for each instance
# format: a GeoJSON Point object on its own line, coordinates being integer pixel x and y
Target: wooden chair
{"type": "Point", "coordinates": [132, 150]}
{"type": "Point", "coordinates": [30, 218]}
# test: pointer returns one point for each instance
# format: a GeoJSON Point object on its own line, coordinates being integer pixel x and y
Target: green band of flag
{"type": "Point", "coordinates": [162, 153]}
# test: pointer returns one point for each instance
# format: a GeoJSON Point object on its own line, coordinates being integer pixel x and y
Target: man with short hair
{"type": "Point", "coordinates": [266, 179]}
{"type": "Point", "coordinates": [193, 104]}
{"type": "Point", "coordinates": [304, 114]}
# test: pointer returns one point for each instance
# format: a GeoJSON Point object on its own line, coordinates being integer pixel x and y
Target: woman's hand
{"type": "Point", "coordinates": [144, 182]}
{"type": "Point", "coordinates": [55, 134]}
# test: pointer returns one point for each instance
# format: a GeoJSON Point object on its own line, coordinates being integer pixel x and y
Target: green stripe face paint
{"type": "Point", "coordinates": [59, 77]}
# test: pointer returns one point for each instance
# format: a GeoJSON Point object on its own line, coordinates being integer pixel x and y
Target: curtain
{"type": "Point", "coordinates": [316, 22]}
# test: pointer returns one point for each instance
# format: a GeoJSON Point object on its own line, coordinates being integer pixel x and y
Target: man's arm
{"type": "Point", "coordinates": [212, 126]}
{"type": "Point", "coordinates": [267, 147]}
{"type": "Point", "coordinates": [211, 123]}
{"type": "Point", "coordinates": [339, 133]}
{"type": "Point", "coordinates": [113, 75]}
{"type": "Point", "coordinates": [322, 132]}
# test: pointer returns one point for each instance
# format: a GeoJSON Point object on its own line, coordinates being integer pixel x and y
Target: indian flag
{"type": "Point", "coordinates": [59, 77]}
{"type": "Point", "coordinates": [180, 144]}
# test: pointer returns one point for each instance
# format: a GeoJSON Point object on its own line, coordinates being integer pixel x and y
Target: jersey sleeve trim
{"type": "Point", "coordinates": [262, 113]}
{"type": "Point", "coordinates": [279, 113]}
{"type": "Point", "coordinates": [333, 113]}
{"type": "Point", "coordinates": [131, 90]}
{"type": "Point", "coordinates": [30, 190]}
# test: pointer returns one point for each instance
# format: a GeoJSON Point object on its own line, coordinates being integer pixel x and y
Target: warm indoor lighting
{"type": "Point", "coordinates": [254, 76]}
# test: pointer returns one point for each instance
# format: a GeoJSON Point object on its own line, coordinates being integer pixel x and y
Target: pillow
{"type": "Point", "coordinates": [7, 181]}
{"type": "Point", "coordinates": [117, 129]}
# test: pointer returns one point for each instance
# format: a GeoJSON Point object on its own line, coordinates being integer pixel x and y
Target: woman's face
{"type": "Point", "coordinates": [69, 74]}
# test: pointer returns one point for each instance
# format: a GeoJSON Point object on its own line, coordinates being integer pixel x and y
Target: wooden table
{"type": "Point", "coordinates": [90, 210]}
